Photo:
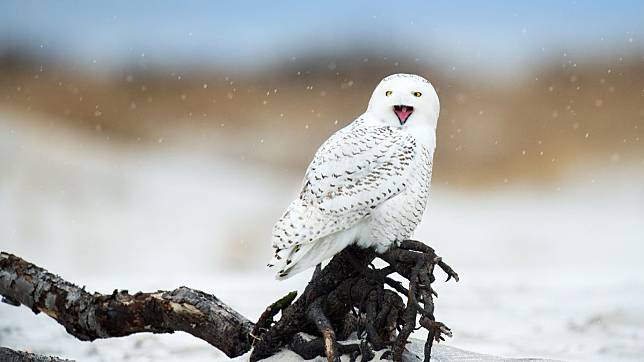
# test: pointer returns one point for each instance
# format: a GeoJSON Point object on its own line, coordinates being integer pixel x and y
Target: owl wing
{"type": "Point", "coordinates": [354, 171]}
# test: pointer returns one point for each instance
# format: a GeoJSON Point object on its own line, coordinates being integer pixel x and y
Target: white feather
{"type": "Point", "coordinates": [367, 184]}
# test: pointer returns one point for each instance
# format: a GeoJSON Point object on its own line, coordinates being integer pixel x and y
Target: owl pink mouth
{"type": "Point", "coordinates": [403, 112]}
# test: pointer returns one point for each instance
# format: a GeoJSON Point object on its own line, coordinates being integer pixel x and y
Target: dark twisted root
{"type": "Point", "coordinates": [265, 321]}
{"type": "Point", "coordinates": [416, 261]}
{"type": "Point", "coordinates": [349, 296]}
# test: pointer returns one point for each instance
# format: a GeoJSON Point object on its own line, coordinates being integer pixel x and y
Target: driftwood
{"type": "Point", "coordinates": [91, 316]}
{"type": "Point", "coordinates": [348, 297]}
{"type": "Point", "coordinates": [9, 355]}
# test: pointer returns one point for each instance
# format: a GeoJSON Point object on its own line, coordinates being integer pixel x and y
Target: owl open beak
{"type": "Point", "coordinates": [403, 112]}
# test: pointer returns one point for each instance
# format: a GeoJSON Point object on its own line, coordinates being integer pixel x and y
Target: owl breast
{"type": "Point", "coordinates": [397, 218]}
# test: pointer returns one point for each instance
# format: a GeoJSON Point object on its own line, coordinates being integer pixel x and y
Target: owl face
{"type": "Point", "coordinates": [405, 100]}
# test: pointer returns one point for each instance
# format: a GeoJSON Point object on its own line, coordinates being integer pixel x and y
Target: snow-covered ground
{"type": "Point", "coordinates": [553, 271]}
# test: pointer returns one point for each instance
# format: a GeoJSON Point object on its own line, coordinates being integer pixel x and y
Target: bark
{"type": "Point", "coordinates": [91, 316]}
{"type": "Point", "coordinates": [9, 355]}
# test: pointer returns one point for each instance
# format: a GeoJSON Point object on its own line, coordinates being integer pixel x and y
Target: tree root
{"type": "Point", "coordinates": [265, 321]}
{"type": "Point", "coordinates": [347, 286]}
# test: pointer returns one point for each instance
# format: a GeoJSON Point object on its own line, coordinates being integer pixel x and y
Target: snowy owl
{"type": "Point", "coordinates": [368, 184]}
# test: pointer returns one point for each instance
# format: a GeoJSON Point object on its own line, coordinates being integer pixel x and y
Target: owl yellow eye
{"type": "Point", "coordinates": [417, 94]}
{"type": "Point", "coordinates": [388, 93]}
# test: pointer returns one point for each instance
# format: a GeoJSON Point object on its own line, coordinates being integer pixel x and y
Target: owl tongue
{"type": "Point", "coordinates": [403, 112]}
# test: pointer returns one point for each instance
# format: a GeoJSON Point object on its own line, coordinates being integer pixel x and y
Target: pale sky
{"type": "Point", "coordinates": [481, 34]}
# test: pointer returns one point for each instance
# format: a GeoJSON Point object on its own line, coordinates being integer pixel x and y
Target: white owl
{"type": "Point", "coordinates": [368, 184]}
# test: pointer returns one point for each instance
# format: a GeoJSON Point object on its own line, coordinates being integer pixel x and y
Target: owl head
{"type": "Point", "coordinates": [405, 100]}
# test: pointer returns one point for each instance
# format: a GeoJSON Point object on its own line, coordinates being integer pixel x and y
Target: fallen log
{"type": "Point", "coordinates": [89, 316]}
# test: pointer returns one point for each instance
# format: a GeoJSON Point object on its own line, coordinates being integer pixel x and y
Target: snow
{"type": "Point", "coordinates": [552, 272]}
{"type": "Point", "coordinates": [414, 353]}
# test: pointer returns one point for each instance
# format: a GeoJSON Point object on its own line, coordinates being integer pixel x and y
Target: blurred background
{"type": "Point", "coordinates": [153, 144]}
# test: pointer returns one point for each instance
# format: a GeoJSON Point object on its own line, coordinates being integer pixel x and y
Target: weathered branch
{"type": "Point", "coordinates": [9, 355]}
{"type": "Point", "coordinates": [91, 316]}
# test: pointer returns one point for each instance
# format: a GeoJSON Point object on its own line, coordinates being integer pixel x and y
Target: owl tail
{"type": "Point", "coordinates": [279, 258]}
{"type": "Point", "coordinates": [301, 257]}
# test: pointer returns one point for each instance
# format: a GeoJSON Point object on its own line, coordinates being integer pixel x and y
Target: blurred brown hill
{"type": "Point", "coordinates": [558, 116]}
